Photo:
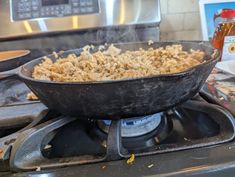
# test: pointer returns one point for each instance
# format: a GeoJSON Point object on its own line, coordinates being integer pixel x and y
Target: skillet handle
{"type": "Point", "coordinates": [10, 73]}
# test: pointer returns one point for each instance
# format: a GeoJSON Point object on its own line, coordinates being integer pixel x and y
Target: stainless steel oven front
{"type": "Point", "coordinates": [31, 17]}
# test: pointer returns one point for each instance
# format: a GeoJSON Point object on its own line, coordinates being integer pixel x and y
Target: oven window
{"type": "Point", "coordinates": [54, 2]}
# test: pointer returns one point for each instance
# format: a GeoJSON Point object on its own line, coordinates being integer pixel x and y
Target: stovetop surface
{"type": "Point", "coordinates": [213, 160]}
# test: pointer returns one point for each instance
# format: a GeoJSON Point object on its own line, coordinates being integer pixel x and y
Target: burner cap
{"type": "Point", "coordinates": [134, 126]}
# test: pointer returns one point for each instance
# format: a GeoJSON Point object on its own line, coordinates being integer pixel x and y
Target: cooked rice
{"type": "Point", "coordinates": [113, 64]}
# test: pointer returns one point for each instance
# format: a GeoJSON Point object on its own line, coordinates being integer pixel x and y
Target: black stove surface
{"type": "Point", "coordinates": [210, 161]}
{"type": "Point", "coordinates": [206, 162]}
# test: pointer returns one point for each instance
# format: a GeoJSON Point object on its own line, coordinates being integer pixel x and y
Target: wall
{"type": "Point", "coordinates": [180, 20]}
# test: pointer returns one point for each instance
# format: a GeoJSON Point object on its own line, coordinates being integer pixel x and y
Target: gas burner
{"type": "Point", "coordinates": [138, 134]}
{"type": "Point", "coordinates": [134, 127]}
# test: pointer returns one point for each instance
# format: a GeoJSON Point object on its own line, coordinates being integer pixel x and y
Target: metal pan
{"type": "Point", "coordinates": [120, 98]}
{"type": "Point", "coordinates": [12, 59]}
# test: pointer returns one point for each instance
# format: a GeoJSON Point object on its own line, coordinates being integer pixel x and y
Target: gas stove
{"type": "Point", "coordinates": [195, 138]}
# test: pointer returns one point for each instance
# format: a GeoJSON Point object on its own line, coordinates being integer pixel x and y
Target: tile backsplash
{"type": "Point", "coordinates": [180, 20]}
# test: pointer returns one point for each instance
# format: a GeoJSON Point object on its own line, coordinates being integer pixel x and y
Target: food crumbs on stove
{"type": "Point", "coordinates": [157, 140]}
{"type": "Point", "coordinates": [31, 96]}
{"type": "Point", "coordinates": [48, 146]}
{"type": "Point", "coordinates": [150, 166]}
{"type": "Point", "coordinates": [38, 169]}
{"type": "Point", "coordinates": [131, 159]}
{"type": "Point", "coordinates": [103, 167]}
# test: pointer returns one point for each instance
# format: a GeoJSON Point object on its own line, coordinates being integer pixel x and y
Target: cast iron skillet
{"type": "Point", "coordinates": [121, 98]}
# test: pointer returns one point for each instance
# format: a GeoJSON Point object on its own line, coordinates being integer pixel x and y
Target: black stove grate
{"type": "Point", "coordinates": [65, 141]}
